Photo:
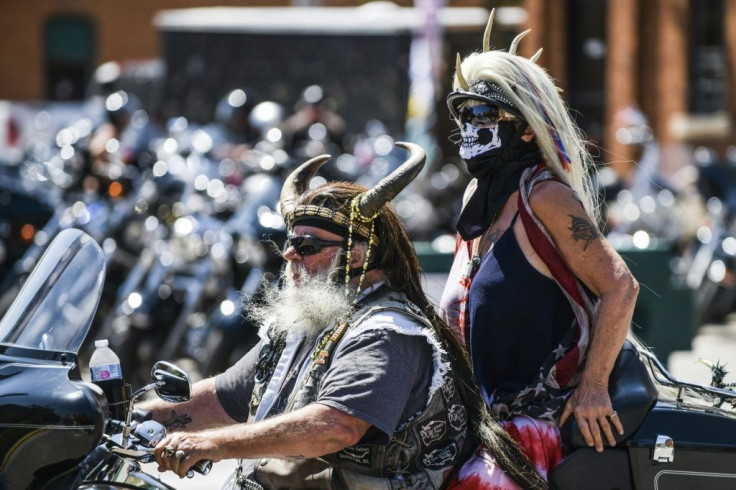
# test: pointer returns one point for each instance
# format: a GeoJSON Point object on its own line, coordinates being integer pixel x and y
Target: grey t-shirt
{"type": "Point", "coordinates": [376, 374]}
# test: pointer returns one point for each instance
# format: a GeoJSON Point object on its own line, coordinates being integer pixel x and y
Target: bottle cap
{"type": "Point", "coordinates": [101, 343]}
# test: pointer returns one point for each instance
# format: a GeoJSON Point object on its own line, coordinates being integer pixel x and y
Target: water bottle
{"type": "Point", "coordinates": [104, 365]}
{"type": "Point", "coordinates": [105, 371]}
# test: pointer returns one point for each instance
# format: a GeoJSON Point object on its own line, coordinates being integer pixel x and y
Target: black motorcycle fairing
{"type": "Point", "coordinates": [48, 423]}
{"type": "Point", "coordinates": [49, 419]}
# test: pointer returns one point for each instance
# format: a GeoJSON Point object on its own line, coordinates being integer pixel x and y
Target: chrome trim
{"type": "Point", "coordinates": [664, 450]}
{"type": "Point", "coordinates": [689, 473]}
{"type": "Point", "coordinates": [42, 426]}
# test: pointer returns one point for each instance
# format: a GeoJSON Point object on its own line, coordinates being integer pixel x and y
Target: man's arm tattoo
{"type": "Point", "coordinates": [583, 230]}
{"type": "Point", "coordinates": [177, 421]}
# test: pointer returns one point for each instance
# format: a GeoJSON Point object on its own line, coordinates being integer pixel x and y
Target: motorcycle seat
{"type": "Point", "coordinates": [632, 393]}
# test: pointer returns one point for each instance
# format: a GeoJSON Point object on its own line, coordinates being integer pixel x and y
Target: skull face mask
{"type": "Point", "coordinates": [477, 141]}
{"type": "Point", "coordinates": [484, 149]}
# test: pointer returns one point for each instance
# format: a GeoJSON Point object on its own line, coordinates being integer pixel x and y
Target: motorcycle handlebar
{"type": "Point", "coordinates": [202, 467]}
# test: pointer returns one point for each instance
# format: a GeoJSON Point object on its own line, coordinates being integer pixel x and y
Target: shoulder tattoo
{"type": "Point", "coordinates": [176, 421]}
{"type": "Point", "coordinates": [583, 230]}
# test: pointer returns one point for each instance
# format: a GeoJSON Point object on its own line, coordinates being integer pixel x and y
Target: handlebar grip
{"type": "Point", "coordinates": [203, 467]}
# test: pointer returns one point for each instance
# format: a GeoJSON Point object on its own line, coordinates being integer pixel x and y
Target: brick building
{"type": "Point", "coordinates": [675, 59]}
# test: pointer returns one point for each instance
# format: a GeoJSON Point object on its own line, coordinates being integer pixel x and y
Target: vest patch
{"type": "Point", "coordinates": [433, 431]}
{"type": "Point", "coordinates": [357, 454]}
{"type": "Point", "coordinates": [448, 390]}
{"type": "Point", "coordinates": [458, 417]}
{"type": "Point", "coordinates": [440, 458]}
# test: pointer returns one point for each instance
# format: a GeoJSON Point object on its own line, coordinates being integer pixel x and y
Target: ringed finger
{"type": "Point", "coordinates": [606, 428]}
{"type": "Point", "coordinates": [616, 421]}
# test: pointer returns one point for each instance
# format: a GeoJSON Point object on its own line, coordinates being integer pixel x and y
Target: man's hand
{"type": "Point", "coordinates": [180, 451]}
{"type": "Point", "coordinates": [592, 408]}
{"type": "Point", "coordinates": [310, 432]}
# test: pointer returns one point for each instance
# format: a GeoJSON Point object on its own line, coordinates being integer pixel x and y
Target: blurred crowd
{"type": "Point", "coordinates": [187, 211]}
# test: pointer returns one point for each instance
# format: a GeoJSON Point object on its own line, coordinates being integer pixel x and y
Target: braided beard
{"type": "Point", "coordinates": [308, 303]}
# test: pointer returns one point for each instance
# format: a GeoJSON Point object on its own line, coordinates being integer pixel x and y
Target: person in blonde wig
{"type": "Point", "coordinates": [542, 302]}
{"type": "Point", "coordinates": [538, 101]}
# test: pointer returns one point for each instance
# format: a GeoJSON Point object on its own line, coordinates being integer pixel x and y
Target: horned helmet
{"type": "Point", "coordinates": [364, 208]}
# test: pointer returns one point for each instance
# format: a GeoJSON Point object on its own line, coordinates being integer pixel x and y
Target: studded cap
{"type": "Point", "coordinates": [483, 91]}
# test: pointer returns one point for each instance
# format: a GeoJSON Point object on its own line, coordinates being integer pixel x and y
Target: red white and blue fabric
{"type": "Point", "coordinates": [545, 397]}
{"type": "Point", "coordinates": [530, 415]}
{"type": "Point", "coordinates": [540, 441]}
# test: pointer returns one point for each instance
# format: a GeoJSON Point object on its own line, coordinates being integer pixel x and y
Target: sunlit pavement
{"type": "Point", "coordinates": [214, 480]}
{"type": "Point", "coordinates": [715, 342]}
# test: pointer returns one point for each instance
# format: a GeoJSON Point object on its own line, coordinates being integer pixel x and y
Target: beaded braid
{"type": "Point", "coordinates": [355, 214]}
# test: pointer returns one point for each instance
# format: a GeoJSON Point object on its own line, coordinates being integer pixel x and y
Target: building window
{"type": "Point", "coordinates": [586, 62]}
{"type": "Point", "coordinates": [708, 69]}
{"type": "Point", "coordinates": [68, 56]}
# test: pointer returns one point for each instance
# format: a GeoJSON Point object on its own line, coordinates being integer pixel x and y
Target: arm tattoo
{"type": "Point", "coordinates": [583, 230]}
{"type": "Point", "coordinates": [176, 421]}
{"type": "Point", "coordinates": [494, 236]}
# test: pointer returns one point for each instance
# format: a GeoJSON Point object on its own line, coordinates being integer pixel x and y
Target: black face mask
{"type": "Point", "coordinates": [496, 157]}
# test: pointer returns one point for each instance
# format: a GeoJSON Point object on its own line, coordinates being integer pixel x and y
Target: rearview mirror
{"type": "Point", "coordinates": [172, 383]}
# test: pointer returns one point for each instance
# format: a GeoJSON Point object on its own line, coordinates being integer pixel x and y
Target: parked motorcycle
{"type": "Point", "coordinates": [57, 432]}
{"type": "Point", "coordinates": [709, 263]}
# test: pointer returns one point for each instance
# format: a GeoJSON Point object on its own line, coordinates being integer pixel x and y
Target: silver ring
{"type": "Point", "coordinates": [168, 451]}
{"type": "Point", "coordinates": [613, 415]}
{"type": "Point", "coordinates": [180, 455]}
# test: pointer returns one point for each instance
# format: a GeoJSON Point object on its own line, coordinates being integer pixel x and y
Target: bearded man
{"type": "Point", "coordinates": [353, 382]}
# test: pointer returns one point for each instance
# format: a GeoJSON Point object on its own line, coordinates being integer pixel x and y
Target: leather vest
{"type": "Point", "coordinates": [420, 453]}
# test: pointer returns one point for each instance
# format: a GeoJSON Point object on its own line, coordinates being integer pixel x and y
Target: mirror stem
{"type": "Point", "coordinates": [129, 417]}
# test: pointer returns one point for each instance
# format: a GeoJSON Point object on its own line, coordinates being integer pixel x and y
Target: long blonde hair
{"type": "Point", "coordinates": [534, 93]}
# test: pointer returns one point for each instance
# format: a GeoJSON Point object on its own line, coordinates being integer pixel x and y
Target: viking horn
{"type": "Point", "coordinates": [487, 33]}
{"type": "Point", "coordinates": [297, 181]}
{"type": "Point", "coordinates": [459, 73]}
{"type": "Point", "coordinates": [536, 55]}
{"type": "Point", "coordinates": [390, 186]}
{"type": "Point", "coordinates": [517, 40]}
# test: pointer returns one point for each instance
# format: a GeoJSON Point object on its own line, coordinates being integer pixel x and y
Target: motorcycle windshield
{"type": "Point", "coordinates": [55, 307]}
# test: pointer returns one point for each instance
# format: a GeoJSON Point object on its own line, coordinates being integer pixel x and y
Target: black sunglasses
{"type": "Point", "coordinates": [309, 245]}
{"type": "Point", "coordinates": [480, 116]}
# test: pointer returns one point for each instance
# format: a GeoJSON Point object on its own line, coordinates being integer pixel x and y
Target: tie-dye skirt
{"type": "Point", "coordinates": [539, 439]}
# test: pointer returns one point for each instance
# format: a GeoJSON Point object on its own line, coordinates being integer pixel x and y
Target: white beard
{"type": "Point", "coordinates": [308, 304]}
{"type": "Point", "coordinates": [470, 147]}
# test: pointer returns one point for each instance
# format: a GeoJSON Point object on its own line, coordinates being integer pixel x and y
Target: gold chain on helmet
{"type": "Point", "coordinates": [356, 215]}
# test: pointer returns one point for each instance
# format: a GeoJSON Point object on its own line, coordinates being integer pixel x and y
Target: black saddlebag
{"type": "Point", "coordinates": [586, 469]}
{"type": "Point", "coordinates": [703, 449]}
